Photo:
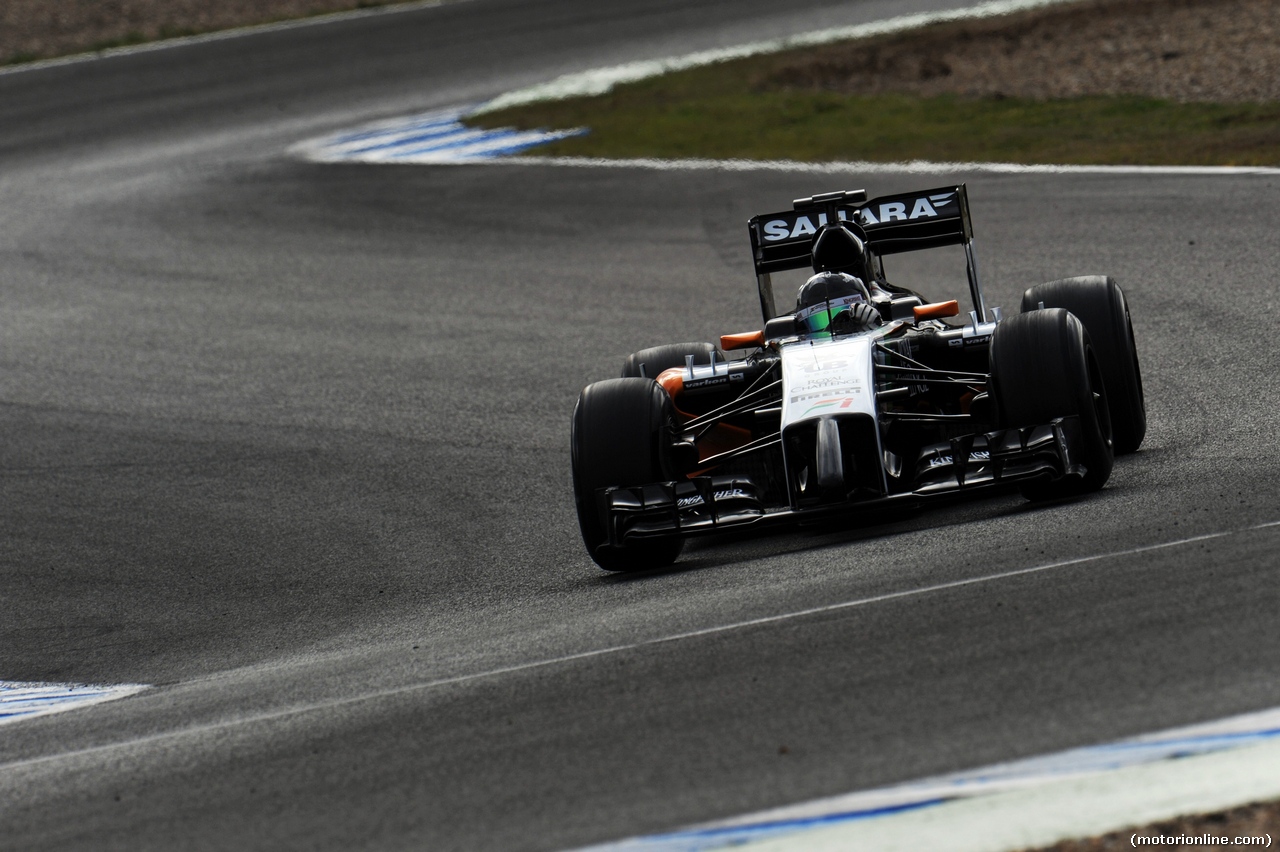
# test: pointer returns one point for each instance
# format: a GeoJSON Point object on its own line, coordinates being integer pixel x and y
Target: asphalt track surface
{"type": "Point", "coordinates": [290, 441]}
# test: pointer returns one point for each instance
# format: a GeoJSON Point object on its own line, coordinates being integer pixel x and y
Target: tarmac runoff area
{"type": "Point", "coordinates": [1023, 804]}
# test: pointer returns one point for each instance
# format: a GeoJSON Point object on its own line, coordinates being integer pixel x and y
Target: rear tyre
{"type": "Point", "coordinates": [659, 358]}
{"type": "Point", "coordinates": [1100, 304]}
{"type": "Point", "coordinates": [620, 435]}
{"type": "Point", "coordinates": [1043, 367]}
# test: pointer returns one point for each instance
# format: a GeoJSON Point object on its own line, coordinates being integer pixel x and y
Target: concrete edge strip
{"type": "Point", "coordinates": [1067, 808]}
{"type": "Point", "coordinates": [409, 689]}
{"type": "Point", "coordinates": [863, 168]}
{"type": "Point", "coordinates": [1016, 805]}
{"type": "Point", "coordinates": [20, 700]}
{"type": "Point", "coordinates": [222, 35]}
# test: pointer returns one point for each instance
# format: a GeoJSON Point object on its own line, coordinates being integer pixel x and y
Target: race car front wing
{"type": "Point", "coordinates": [702, 505]}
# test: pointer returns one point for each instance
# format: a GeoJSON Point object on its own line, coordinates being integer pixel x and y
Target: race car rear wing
{"type": "Point", "coordinates": [910, 221]}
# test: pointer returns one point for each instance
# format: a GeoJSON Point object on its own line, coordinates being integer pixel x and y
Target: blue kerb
{"type": "Point", "coordinates": [424, 123]}
{"type": "Point", "coordinates": [347, 138]}
{"type": "Point", "coordinates": [440, 132]}
{"type": "Point", "coordinates": [55, 699]}
{"type": "Point", "coordinates": [735, 835]}
{"type": "Point", "coordinates": [20, 700]}
{"type": "Point", "coordinates": [534, 143]}
{"type": "Point", "coordinates": [1210, 739]}
{"type": "Point", "coordinates": [513, 148]}
{"type": "Point", "coordinates": [445, 131]}
{"type": "Point", "coordinates": [781, 826]}
{"type": "Point", "coordinates": [460, 143]}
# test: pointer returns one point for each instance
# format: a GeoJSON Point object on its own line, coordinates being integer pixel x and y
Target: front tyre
{"type": "Point", "coordinates": [650, 363]}
{"type": "Point", "coordinates": [621, 433]}
{"type": "Point", "coordinates": [1043, 367]}
{"type": "Point", "coordinates": [1100, 304]}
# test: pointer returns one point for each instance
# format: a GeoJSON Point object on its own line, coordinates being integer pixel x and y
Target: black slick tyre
{"type": "Point", "coordinates": [1043, 367]}
{"type": "Point", "coordinates": [1100, 304]}
{"type": "Point", "coordinates": [620, 435]}
{"type": "Point", "coordinates": [651, 362]}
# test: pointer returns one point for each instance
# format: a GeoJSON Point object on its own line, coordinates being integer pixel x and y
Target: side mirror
{"type": "Point", "coordinates": [937, 310]}
{"type": "Point", "coordinates": [745, 340]}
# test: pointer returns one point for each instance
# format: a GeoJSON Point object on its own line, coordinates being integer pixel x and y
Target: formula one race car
{"type": "Point", "coordinates": [863, 396]}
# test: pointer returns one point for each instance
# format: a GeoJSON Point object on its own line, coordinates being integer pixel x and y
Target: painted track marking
{"type": "Point", "coordinates": [407, 689]}
{"type": "Point", "coordinates": [28, 700]}
{"type": "Point", "coordinates": [437, 137]}
{"type": "Point", "coordinates": [923, 167]}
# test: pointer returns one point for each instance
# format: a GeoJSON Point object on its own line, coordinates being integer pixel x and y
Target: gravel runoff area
{"type": "Point", "coordinates": [1184, 50]}
{"type": "Point", "coordinates": [1225, 51]}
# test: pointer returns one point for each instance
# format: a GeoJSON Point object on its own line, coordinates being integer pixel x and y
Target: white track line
{"type": "Point", "coordinates": [619, 649]}
{"type": "Point", "coordinates": [865, 168]}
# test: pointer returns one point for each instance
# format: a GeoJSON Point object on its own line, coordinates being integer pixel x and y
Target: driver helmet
{"type": "Point", "coordinates": [824, 296]}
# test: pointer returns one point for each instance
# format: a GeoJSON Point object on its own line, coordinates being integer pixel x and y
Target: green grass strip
{"type": "Point", "coordinates": [719, 112]}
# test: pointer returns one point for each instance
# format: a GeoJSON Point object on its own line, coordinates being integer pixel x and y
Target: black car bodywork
{"type": "Point", "coordinates": [690, 441]}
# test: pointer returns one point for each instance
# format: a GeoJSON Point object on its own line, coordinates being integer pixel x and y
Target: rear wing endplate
{"type": "Point", "coordinates": [909, 221]}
